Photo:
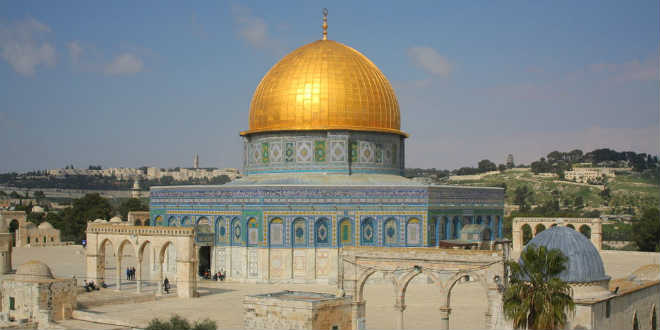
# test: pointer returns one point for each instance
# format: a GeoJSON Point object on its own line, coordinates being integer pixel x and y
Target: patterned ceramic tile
{"type": "Point", "coordinates": [319, 151]}
{"type": "Point", "coordinates": [337, 151]}
{"type": "Point", "coordinates": [276, 152]}
{"type": "Point", "coordinates": [304, 152]}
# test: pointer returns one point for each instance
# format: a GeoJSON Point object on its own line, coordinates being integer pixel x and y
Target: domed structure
{"type": "Point", "coordinates": [584, 270]}
{"type": "Point", "coordinates": [34, 270]}
{"type": "Point", "coordinates": [324, 85]}
{"type": "Point", "coordinates": [584, 261]}
{"type": "Point", "coordinates": [116, 219]}
{"type": "Point", "coordinates": [100, 221]}
{"type": "Point", "coordinates": [38, 209]}
{"type": "Point", "coordinates": [45, 225]}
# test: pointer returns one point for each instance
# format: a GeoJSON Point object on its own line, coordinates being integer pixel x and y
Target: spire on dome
{"type": "Point", "coordinates": [325, 23]}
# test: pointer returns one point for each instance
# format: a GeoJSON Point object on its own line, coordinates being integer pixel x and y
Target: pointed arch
{"type": "Point", "coordinates": [276, 232]}
{"type": "Point", "coordinates": [413, 232]}
{"type": "Point", "coordinates": [322, 232]}
{"type": "Point", "coordinates": [345, 232]}
{"type": "Point", "coordinates": [299, 232]}
{"type": "Point", "coordinates": [172, 221]}
{"type": "Point", "coordinates": [236, 231]}
{"type": "Point", "coordinates": [391, 232]}
{"type": "Point", "coordinates": [368, 231]}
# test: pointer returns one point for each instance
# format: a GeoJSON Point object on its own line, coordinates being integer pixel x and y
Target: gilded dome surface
{"type": "Point", "coordinates": [324, 85]}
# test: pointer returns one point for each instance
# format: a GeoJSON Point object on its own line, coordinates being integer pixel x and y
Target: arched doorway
{"type": "Point", "coordinates": [146, 259]}
{"type": "Point", "coordinates": [108, 262]}
{"type": "Point", "coordinates": [204, 258]}
{"type": "Point", "coordinates": [570, 226]}
{"type": "Point", "coordinates": [635, 324]}
{"type": "Point", "coordinates": [654, 319]}
{"type": "Point", "coordinates": [526, 233]}
{"type": "Point", "coordinates": [539, 228]}
{"type": "Point", "coordinates": [586, 231]}
{"type": "Point", "coordinates": [13, 228]}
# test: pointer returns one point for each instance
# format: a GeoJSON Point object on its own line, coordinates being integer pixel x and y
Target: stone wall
{"type": "Point", "coordinates": [623, 307]}
{"type": "Point", "coordinates": [303, 311]}
{"type": "Point", "coordinates": [39, 301]}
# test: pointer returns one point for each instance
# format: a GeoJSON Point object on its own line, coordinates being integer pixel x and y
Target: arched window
{"type": "Point", "coordinates": [236, 232]}
{"type": "Point", "coordinates": [172, 221]}
{"type": "Point", "coordinates": [368, 232]}
{"type": "Point", "coordinates": [253, 231]}
{"type": "Point", "coordinates": [322, 232]}
{"type": "Point", "coordinates": [413, 232]}
{"type": "Point", "coordinates": [158, 221]}
{"type": "Point", "coordinates": [299, 232]}
{"type": "Point", "coordinates": [220, 230]}
{"type": "Point", "coordinates": [570, 226]}
{"type": "Point", "coordinates": [480, 220]}
{"type": "Point", "coordinates": [391, 232]}
{"type": "Point", "coordinates": [586, 231]}
{"type": "Point", "coordinates": [186, 221]}
{"type": "Point", "coordinates": [276, 232]}
{"type": "Point", "coordinates": [345, 232]}
{"type": "Point", "coordinates": [526, 233]}
{"type": "Point", "coordinates": [635, 324]}
{"type": "Point", "coordinates": [539, 228]}
{"type": "Point", "coordinates": [28, 239]}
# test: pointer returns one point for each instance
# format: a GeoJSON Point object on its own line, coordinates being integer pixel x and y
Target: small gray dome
{"type": "Point", "coordinates": [584, 262]}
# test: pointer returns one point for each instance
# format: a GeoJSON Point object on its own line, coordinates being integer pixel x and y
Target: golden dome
{"type": "Point", "coordinates": [324, 85]}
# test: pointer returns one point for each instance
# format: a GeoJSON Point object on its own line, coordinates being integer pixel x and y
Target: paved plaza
{"type": "Point", "coordinates": [222, 302]}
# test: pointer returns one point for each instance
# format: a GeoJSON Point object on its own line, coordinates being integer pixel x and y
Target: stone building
{"type": "Point", "coordinates": [35, 296]}
{"type": "Point", "coordinates": [528, 227]}
{"type": "Point", "coordinates": [600, 304]}
{"type": "Point", "coordinates": [323, 157]}
{"type": "Point", "coordinates": [297, 310]}
{"type": "Point", "coordinates": [25, 233]}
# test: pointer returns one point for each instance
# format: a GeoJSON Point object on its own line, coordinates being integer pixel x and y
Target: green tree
{"type": "Point", "coordinates": [73, 220]}
{"type": "Point", "coordinates": [177, 322]}
{"type": "Point", "coordinates": [487, 166]}
{"type": "Point", "coordinates": [536, 297]}
{"type": "Point", "coordinates": [131, 204]}
{"type": "Point", "coordinates": [39, 195]}
{"type": "Point", "coordinates": [579, 202]}
{"type": "Point", "coordinates": [523, 197]}
{"type": "Point", "coordinates": [646, 231]}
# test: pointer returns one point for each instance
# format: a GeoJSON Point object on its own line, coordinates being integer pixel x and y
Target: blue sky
{"type": "Point", "coordinates": [126, 84]}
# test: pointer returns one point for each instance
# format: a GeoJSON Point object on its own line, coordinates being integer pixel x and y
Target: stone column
{"type": "Point", "coordinates": [159, 270]}
{"type": "Point", "coordinates": [517, 237]}
{"type": "Point", "coordinates": [445, 311]}
{"type": "Point", "coordinates": [138, 276]}
{"type": "Point", "coordinates": [398, 322]}
{"type": "Point", "coordinates": [357, 315]}
{"type": "Point", "coordinates": [494, 313]}
{"type": "Point", "coordinates": [118, 272]}
{"type": "Point", "coordinates": [597, 233]}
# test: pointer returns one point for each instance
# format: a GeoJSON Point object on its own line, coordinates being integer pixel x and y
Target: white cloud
{"type": "Point", "coordinates": [23, 47]}
{"type": "Point", "coordinates": [430, 60]}
{"type": "Point", "coordinates": [123, 64]}
{"type": "Point", "coordinates": [632, 70]}
{"type": "Point", "coordinates": [253, 29]}
{"type": "Point", "coordinates": [75, 51]}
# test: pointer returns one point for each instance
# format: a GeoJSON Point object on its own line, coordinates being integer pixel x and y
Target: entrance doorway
{"type": "Point", "coordinates": [13, 227]}
{"type": "Point", "coordinates": [204, 260]}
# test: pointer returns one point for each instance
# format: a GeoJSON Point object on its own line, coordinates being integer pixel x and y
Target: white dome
{"type": "Point", "coordinates": [45, 225]}
{"type": "Point", "coordinates": [116, 219]}
{"type": "Point", "coordinates": [100, 221]}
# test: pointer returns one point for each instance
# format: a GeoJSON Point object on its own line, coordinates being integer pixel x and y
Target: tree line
{"type": "Point", "coordinates": [72, 221]}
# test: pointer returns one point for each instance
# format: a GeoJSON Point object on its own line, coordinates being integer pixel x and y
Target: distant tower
{"type": "Point", "coordinates": [135, 191]}
{"type": "Point", "coordinates": [509, 161]}
{"type": "Point", "coordinates": [196, 161]}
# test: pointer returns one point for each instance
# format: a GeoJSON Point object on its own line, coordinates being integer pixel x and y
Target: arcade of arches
{"type": "Point", "coordinates": [524, 229]}
{"type": "Point", "coordinates": [166, 243]}
{"type": "Point", "coordinates": [444, 267]}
